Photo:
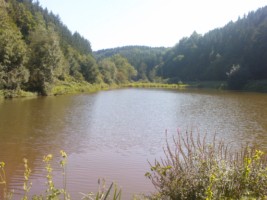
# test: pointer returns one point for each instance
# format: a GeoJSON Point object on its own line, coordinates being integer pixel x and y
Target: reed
{"type": "Point", "coordinates": [196, 169]}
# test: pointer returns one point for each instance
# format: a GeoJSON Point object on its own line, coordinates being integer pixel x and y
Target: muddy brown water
{"type": "Point", "coordinates": [113, 134]}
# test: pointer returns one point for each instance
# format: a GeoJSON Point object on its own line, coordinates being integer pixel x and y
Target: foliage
{"type": "Point", "coordinates": [237, 77]}
{"type": "Point", "coordinates": [89, 69]}
{"type": "Point", "coordinates": [260, 85]}
{"type": "Point", "coordinates": [196, 169]}
{"type": "Point", "coordinates": [12, 54]}
{"type": "Point", "coordinates": [154, 85]}
{"type": "Point", "coordinates": [72, 87]}
{"type": "Point", "coordinates": [52, 192]}
{"type": "Point", "coordinates": [143, 59]}
{"type": "Point", "coordinates": [210, 56]}
{"type": "Point", "coordinates": [116, 69]}
{"type": "Point", "coordinates": [37, 49]}
{"type": "Point", "coordinates": [7, 195]}
{"type": "Point", "coordinates": [46, 60]}
{"type": "Point", "coordinates": [16, 93]}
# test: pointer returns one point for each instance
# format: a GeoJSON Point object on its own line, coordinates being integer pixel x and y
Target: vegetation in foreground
{"type": "Point", "coordinates": [52, 192]}
{"type": "Point", "coordinates": [195, 169]}
{"type": "Point", "coordinates": [192, 169]}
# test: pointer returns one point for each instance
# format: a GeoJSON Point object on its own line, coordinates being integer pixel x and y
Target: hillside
{"type": "Point", "coordinates": [236, 52]}
{"type": "Point", "coordinates": [37, 49]}
{"type": "Point", "coordinates": [39, 52]}
{"type": "Point", "coordinates": [144, 59]}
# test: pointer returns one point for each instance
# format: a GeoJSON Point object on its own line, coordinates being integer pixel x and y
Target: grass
{"type": "Point", "coordinates": [6, 94]}
{"type": "Point", "coordinates": [195, 169]}
{"type": "Point", "coordinates": [154, 85]}
{"type": "Point", "coordinates": [76, 87]}
{"type": "Point", "coordinates": [71, 86]}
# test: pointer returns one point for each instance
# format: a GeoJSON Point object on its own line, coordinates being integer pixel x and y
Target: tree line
{"type": "Point", "coordinates": [144, 59]}
{"type": "Point", "coordinates": [235, 53]}
{"type": "Point", "coordinates": [37, 51]}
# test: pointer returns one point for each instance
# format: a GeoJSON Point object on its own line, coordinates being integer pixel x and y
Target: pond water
{"type": "Point", "coordinates": [113, 134]}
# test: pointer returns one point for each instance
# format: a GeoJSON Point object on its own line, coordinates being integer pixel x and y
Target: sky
{"type": "Point", "coordinates": [155, 23]}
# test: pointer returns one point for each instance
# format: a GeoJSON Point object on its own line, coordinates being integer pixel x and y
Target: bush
{"type": "Point", "coordinates": [8, 94]}
{"type": "Point", "coordinates": [196, 169]}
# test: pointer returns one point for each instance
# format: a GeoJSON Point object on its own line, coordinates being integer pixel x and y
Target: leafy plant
{"type": "Point", "coordinates": [102, 193]}
{"type": "Point", "coordinates": [3, 181]}
{"type": "Point", "coordinates": [195, 169]}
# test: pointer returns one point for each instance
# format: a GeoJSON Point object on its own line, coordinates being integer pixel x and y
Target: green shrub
{"type": "Point", "coordinates": [16, 93]}
{"type": "Point", "coordinates": [195, 169]}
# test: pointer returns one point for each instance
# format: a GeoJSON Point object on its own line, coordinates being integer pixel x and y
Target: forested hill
{"type": "Point", "coordinates": [38, 53]}
{"type": "Point", "coordinates": [37, 49]}
{"type": "Point", "coordinates": [144, 59]}
{"type": "Point", "coordinates": [236, 52]}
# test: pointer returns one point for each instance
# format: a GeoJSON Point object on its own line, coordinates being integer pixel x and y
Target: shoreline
{"type": "Point", "coordinates": [63, 87]}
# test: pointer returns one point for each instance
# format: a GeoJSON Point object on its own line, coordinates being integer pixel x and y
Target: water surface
{"type": "Point", "coordinates": [113, 134]}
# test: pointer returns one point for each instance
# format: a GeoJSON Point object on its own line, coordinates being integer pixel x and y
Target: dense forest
{"type": "Point", "coordinates": [143, 59]}
{"type": "Point", "coordinates": [37, 52]}
{"type": "Point", "coordinates": [236, 53]}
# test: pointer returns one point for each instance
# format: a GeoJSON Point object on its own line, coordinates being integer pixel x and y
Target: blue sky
{"type": "Point", "coordinates": [114, 23]}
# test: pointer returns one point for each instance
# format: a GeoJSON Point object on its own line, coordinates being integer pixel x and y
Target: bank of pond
{"type": "Point", "coordinates": [85, 87]}
{"type": "Point", "coordinates": [62, 87]}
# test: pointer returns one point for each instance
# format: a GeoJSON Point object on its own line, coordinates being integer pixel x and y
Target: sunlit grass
{"type": "Point", "coordinates": [5, 94]}
{"type": "Point", "coordinates": [155, 85]}
{"type": "Point", "coordinates": [62, 88]}
{"type": "Point", "coordinates": [72, 87]}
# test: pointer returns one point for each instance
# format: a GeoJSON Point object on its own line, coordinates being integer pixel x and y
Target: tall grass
{"type": "Point", "coordinates": [195, 169]}
{"type": "Point", "coordinates": [154, 85]}
{"type": "Point", "coordinates": [16, 94]}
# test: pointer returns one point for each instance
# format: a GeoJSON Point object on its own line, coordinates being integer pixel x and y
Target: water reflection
{"type": "Point", "coordinates": [112, 134]}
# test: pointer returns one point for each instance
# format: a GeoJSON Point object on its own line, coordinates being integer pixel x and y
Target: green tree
{"type": "Point", "coordinates": [237, 77]}
{"type": "Point", "coordinates": [125, 71]}
{"type": "Point", "coordinates": [108, 70]}
{"type": "Point", "coordinates": [13, 56]}
{"type": "Point", "coordinates": [73, 59]}
{"type": "Point", "coordinates": [143, 59]}
{"type": "Point", "coordinates": [22, 17]}
{"type": "Point", "coordinates": [46, 60]}
{"type": "Point", "coordinates": [89, 69]}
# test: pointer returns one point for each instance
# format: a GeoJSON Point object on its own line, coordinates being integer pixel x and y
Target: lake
{"type": "Point", "coordinates": [113, 134]}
